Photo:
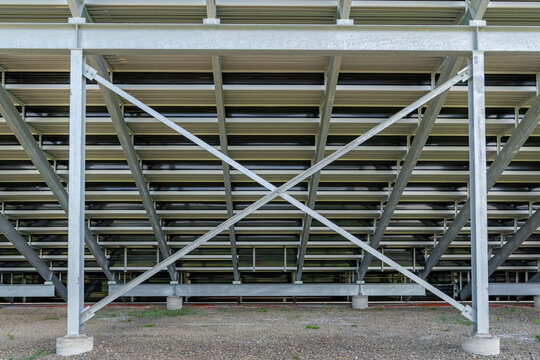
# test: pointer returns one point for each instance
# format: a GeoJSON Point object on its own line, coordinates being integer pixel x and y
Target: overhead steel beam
{"type": "Point", "coordinates": [511, 289]}
{"type": "Point", "coordinates": [117, 119]}
{"type": "Point", "coordinates": [211, 39]}
{"type": "Point", "coordinates": [422, 134]}
{"type": "Point", "coordinates": [224, 146]}
{"type": "Point", "coordinates": [508, 152]}
{"type": "Point", "coordinates": [324, 125]}
{"type": "Point", "coordinates": [519, 237]}
{"type": "Point", "coordinates": [39, 159]}
{"type": "Point", "coordinates": [22, 246]}
{"type": "Point", "coordinates": [274, 192]}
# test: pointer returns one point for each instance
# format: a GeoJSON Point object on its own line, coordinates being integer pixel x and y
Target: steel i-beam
{"type": "Point", "coordinates": [39, 159]}
{"type": "Point", "coordinates": [422, 134]}
{"type": "Point", "coordinates": [122, 132]}
{"type": "Point", "coordinates": [22, 246]}
{"type": "Point", "coordinates": [519, 237]}
{"type": "Point", "coordinates": [274, 192]}
{"type": "Point", "coordinates": [223, 142]}
{"type": "Point", "coordinates": [478, 193]}
{"type": "Point", "coordinates": [520, 134]}
{"type": "Point", "coordinates": [76, 225]}
{"type": "Point", "coordinates": [322, 136]}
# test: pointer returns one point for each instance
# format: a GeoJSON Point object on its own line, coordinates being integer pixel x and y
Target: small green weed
{"type": "Point", "coordinates": [35, 356]}
{"type": "Point", "coordinates": [126, 320]}
{"type": "Point", "coordinates": [296, 357]}
{"type": "Point", "coordinates": [446, 330]}
{"type": "Point", "coordinates": [354, 325]}
{"type": "Point", "coordinates": [154, 313]}
{"type": "Point", "coordinates": [204, 325]}
{"type": "Point", "coordinates": [98, 335]}
{"type": "Point", "coordinates": [376, 308]}
{"type": "Point", "coordinates": [313, 327]}
{"type": "Point", "coordinates": [433, 308]}
{"type": "Point", "coordinates": [285, 309]}
{"type": "Point", "coordinates": [537, 321]}
{"type": "Point", "coordinates": [10, 336]}
{"type": "Point", "coordinates": [149, 325]}
{"type": "Point", "coordinates": [464, 322]}
{"type": "Point", "coordinates": [498, 318]}
{"type": "Point", "coordinates": [537, 337]}
{"type": "Point", "coordinates": [261, 309]}
{"type": "Point", "coordinates": [511, 308]}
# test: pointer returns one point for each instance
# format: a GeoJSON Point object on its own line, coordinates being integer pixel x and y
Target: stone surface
{"type": "Point", "coordinates": [360, 302]}
{"type": "Point", "coordinates": [174, 303]}
{"type": "Point", "coordinates": [482, 345]}
{"type": "Point", "coordinates": [73, 345]}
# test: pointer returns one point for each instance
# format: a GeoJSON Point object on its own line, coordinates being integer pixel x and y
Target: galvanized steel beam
{"type": "Point", "coordinates": [320, 147]}
{"type": "Point", "coordinates": [133, 161]}
{"type": "Point", "coordinates": [421, 136]}
{"type": "Point", "coordinates": [22, 246]}
{"type": "Point", "coordinates": [224, 147]}
{"type": "Point", "coordinates": [39, 159]}
{"type": "Point", "coordinates": [520, 134]}
{"type": "Point", "coordinates": [519, 237]}
{"type": "Point", "coordinates": [119, 39]}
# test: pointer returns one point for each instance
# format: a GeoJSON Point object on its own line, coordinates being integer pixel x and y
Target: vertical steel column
{"type": "Point", "coordinates": [478, 195]}
{"type": "Point", "coordinates": [76, 225]}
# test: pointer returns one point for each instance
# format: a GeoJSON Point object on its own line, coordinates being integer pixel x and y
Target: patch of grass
{"type": "Point", "coordinates": [10, 336]}
{"type": "Point", "coordinates": [261, 309]}
{"type": "Point", "coordinates": [354, 325]}
{"type": "Point", "coordinates": [192, 311]}
{"type": "Point", "coordinates": [537, 321]}
{"type": "Point", "coordinates": [204, 325]}
{"type": "Point", "coordinates": [433, 308]}
{"type": "Point", "coordinates": [511, 308]}
{"type": "Point", "coordinates": [285, 309]}
{"type": "Point", "coordinates": [498, 318]}
{"type": "Point", "coordinates": [463, 321]}
{"type": "Point", "coordinates": [104, 314]}
{"type": "Point", "coordinates": [296, 357]}
{"type": "Point", "coordinates": [126, 320]}
{"type": "Point", "coordinates": [312, 327]}
{"type": "Point", "coordinates": [50, 318]}
{"type": "Point", "coordinates": [537, 337]}
{"type": "Point", "coordinates": [228, 310]}
{"type": "Point", "coordinates": [35, 356]}
{"type": "Point", "coordinates": [446, 330]}
{"type": "Point", "coordinates": [154, 313]}
{"type": "Point", "coordinates": [98, 335]}
{"type": "Point", "coordinates": [376, 308]}
{"type": "Point", "coordinates": [149, 325]}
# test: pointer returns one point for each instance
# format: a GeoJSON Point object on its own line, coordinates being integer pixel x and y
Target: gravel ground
{"type": "Point", "coordinates": [268, 332]}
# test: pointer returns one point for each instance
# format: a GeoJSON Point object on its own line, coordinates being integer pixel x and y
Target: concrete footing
{"type": "Point", "coordinates": [360, 302]}
{"type": "Point", "coordinates": [174, 303]}
{"type": "Point", "coordinates": [537, 301]}
{"type": "Point", "coordinates": [481, 344]}
{"type": "Point", "coordinates": [74, 344]}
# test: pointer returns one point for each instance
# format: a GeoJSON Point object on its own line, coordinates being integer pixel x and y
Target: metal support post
{"type": "Point", "coordinates": [75, 342]}
{"type": "Point", "coordinates": [76, 225]}
{"type": "Point", "coordinates": [481, 342]}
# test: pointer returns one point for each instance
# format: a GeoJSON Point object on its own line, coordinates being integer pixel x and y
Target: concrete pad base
{"type": "Point", "coordinates": [360, 302]}
{"type": "Point", "coordinates": [74, 344]}
{"type": "Point", "coordinates": [174, 303]}
{"type": "Point", "coordinates": [537, 301]}
{"type": "Point", "coordinates": [481, 344]}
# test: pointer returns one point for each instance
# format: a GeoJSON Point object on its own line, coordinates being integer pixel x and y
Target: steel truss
{"type": "Point", "coordinates": [462, 75]}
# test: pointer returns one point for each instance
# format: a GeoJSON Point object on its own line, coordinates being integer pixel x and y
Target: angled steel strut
{"type": "Point", "coordinates": [91, 73]}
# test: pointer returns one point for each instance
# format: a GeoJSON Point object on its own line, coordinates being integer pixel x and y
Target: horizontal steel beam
{"type": "Point", "coordinates": [514, 289]}
{"type": "Point", "coordinates": [273, 290]}
{"type": "Point", "coordinates": [263, 39]}
{"type": "Point", "coordinates": [40, 290]}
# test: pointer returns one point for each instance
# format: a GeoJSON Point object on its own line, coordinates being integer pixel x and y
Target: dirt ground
{"type": "Point", "coordinates": [268, 332]}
